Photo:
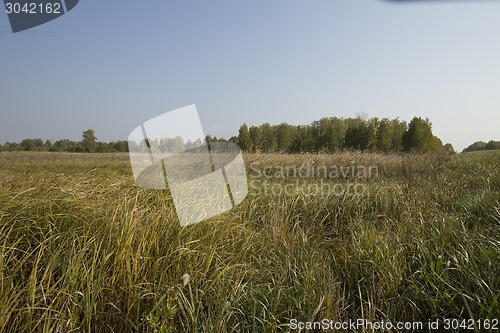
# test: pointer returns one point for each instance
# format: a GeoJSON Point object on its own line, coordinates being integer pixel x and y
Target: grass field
{"type": "Point", "coordinates": [83, 249]}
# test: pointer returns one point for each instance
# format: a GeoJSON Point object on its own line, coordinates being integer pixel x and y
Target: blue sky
{"type": "Point", "coordinates": [111, 65]}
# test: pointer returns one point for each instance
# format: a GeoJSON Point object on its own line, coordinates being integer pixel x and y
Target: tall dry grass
{"type": "Point", "coordinates": [82, 249]}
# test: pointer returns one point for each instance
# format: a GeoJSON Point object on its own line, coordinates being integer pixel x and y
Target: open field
{"type": "Point", "coordinates": [82, 249]}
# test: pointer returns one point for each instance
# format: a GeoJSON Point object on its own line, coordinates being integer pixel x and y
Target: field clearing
{"type": "Point", "coordinates": [83, 249]}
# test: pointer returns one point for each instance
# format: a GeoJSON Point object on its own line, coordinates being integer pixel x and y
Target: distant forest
{"type": "Point", "coordinates": [88, 144]}
{"type": "Point", "coordinates": [480, 145]}
{"type": "Point", "coordinates": [323, 136]}
{"type": "Point", "coordinates": [333, 134]}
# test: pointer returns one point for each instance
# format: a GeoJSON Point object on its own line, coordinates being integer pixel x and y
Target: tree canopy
{"type": "Point", "coordinates": [326, 135]}
{"type": "Point", "coordinates": [480, 145]}
{"type": "Point", "coordinates": [332, 134]}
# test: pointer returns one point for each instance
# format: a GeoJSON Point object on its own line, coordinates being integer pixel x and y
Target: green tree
{"type": "Point", "coordinates": [323, 133]}
{"type": "Point", "coordinates": [102, 147]}
{"type": "Point", "coordinates": [398, 129]}
{"type": "Point", "coordinates": [371, 134]}
{"type": "Point", "coordinates": [48, 145]}
{"type": "Point", "coordinates": [384, 135]}
{"type": "Point", "coordinates": [285, 137]}
{"type": "Point", "coordinates": [89, 141]}
{"type": "Point", "coordinates": [478, 145]}
{"type": "Point", "coordinates": [244, 139]}
{"type": "Point", "coordinates": [357, 134]}
{"type": "Point", "coordinates": [330, 133]}
{"type": "Point", "coordinates": [337, 138]}
{"type": "Point", "coordinates": [418, 137]}
{"type": "Point", "coordinates": [256, 135]}
{"type": "Point", "coordinates": [268, 138]}
{"type": "Point", "coordinates": [449, 148]}
{"type": "Point", "coordinates": [32, 145]}
{"type": "Point", "coordinates": [492, 145]}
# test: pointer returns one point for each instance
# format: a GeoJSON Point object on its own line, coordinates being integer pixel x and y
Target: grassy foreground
{"type": "Point", "coordinates": [82, 249]}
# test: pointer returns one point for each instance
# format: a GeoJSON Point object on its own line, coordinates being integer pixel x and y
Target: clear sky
{"type": "Point", "coordinates": [111, 65]}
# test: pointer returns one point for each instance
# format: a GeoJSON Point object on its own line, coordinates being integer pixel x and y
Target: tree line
{"type": "Point", "coordinates": [332, 134]}
{"type": "Point", "coordinates": [322, 136]}
{"type": "Point", "coordinates": [480, 145]}
{"type": "Point", "coordinates": [88, 144]}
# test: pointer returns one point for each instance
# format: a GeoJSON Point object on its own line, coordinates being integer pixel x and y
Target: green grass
{"type": "Point", "coordinates": [82, 249]}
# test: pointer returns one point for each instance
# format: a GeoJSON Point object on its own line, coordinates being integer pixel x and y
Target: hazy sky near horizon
{"type": "Point", "coordinates": [112, 65]}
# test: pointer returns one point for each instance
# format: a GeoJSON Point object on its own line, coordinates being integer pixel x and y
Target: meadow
{"type": "Point", "coordinates": [83, 249]}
